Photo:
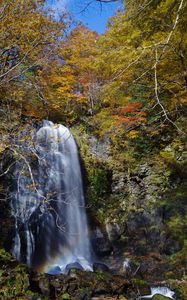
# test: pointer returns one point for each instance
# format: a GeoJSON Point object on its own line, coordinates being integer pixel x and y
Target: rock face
{"type": "Point", "coordinates": [141, 205]}
{"type": "Point", "coordinates": [100, 242]}
{"type": "Point", "coordinates": [100, 148]}
{"type": "Point", "coordinates": [7, 222]}
{"type": "Point", "coordinates": [113, 231]}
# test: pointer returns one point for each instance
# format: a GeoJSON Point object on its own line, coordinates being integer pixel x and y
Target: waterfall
{"type": "Point", "coordinates": [51, 232]}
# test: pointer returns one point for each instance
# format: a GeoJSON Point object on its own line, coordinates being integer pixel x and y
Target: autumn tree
{"type": "Point", "coordinates": [28, 35]}
{"type": "Point", "coordinates": [69, 78]}
{"type": "Point", "coordinates": [142, 63]}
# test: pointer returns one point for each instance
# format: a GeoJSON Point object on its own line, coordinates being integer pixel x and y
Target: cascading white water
{"type": "Point", "coordinates": [160, 290]}
{"type": "Point", "coordinates": [51, 231]}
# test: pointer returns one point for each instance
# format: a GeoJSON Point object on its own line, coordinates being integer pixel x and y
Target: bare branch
{"type": "Point", "coordinates": [29, 168]}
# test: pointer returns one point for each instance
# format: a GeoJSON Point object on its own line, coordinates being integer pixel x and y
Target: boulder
{"type": "Point", "coordinates": [101, 246]}
{"type": "Point", "coordinates": [100, 267]}
{"type": "Point", "coordinates": [171, 246]}
{"type": "Point", "coordinates": [56, 270]}
{"type": "Point", "coordinates": [74, 265]}
{"type": "Point", "coordinates": [160, 297]}
{"type": "Point", "coordinates": [144, 290]}
{"type": "Point", "coordinates": [102, 288]}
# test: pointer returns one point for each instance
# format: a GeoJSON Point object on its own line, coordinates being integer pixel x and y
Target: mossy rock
{"type": "Point", "coordinates": [160, 297]}
{"type": "Point", "coordinates": [121, 297]}
{"type": "Point", "coordinates": [14, 278]}
{"type": "Point", "coordinates": [65, 296]}
{"type": "Point", "coordinates": [5, 256]}
{"type": "Point", "coordinates": [180, 287]}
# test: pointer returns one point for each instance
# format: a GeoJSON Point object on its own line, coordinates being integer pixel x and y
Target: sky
{"type": "Point", "coordinates": [94, 15]}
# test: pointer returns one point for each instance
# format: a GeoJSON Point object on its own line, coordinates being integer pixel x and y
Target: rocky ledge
{"type": "Point", "coordinates": [18, 282]}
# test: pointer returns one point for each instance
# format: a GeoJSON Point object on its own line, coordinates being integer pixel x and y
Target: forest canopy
{"type": "Point", "coordinates": [127, 82]}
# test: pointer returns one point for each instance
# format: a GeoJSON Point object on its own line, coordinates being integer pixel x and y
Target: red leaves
{"type": "Point", "coordinates": [131, 114]}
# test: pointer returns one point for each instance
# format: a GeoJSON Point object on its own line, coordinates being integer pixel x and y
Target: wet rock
{"type": "Point", "coordinates": [113, 231]}
{"type": "Point", "coordinates": [129, 268]}
{"type": "Point", "coordinates": [83, 294]}
{"type": "Point", "coordinates": [55, 270]}
{"type": "Point", "coordinates": [144, 290]}
{"type": "Point", "coordinates": [78, 284]}
{"type": "Point", "coordinates": [101, 246]}
{"type": "Point", "coordinates": [100, 267]}
{"type": "Point", "coordinates": [171, 246]}
{"type": "Point", "coordinates": [56, 282]}
{"type": "Point", "coordinates": [138, 221]}
{"type": "Point", "coordinates": [44, 286]}
{"type": "Point", "coordinates": [74, 265]}
{"type": "Point", "coordinates": [72, 287]}
{"type": "Point", "coordinates": [141, 248]}
{"type": "Point", "coordinates": [119, 285]}
{"type": "Point", "coordinates": [101, 288]}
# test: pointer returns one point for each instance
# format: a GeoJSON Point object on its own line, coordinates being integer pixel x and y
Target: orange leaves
{"type": "Point", "coordinates": [68, 76]}
{"type": "Point", "coordinates": [122, 119]}
{"type": "Point", "coordinates": [131, 107]}
{"type": "Point", "coordinates": [131, 114]}
{"type": "Point", "coordinates": [130, 120]}
{"type": "Point", "coordinates": [36, 111]}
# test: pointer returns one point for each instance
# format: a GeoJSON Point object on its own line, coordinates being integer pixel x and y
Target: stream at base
{"type": "Point", "coordinates": [160, 290]}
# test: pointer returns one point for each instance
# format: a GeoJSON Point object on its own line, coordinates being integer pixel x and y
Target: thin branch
{"type": "Point", "coordinates": [175, 23]}
{"type": "Point", "coordinates": [60, 227]}
{"type": "Point", "coordinates": [29, 168]}
{"type": "Point", "coordinates": [157, 94]}
{"type": "Point", "coordinates": [19, 62]}
{"type": "Point", "coordinates": [7, 170]}
{"type": "Point", "coordinates": [42, 98]}
{"type": "Point", "coordinates": [127, 67]}
{"type": "Point", "coordinates": [163, 45]}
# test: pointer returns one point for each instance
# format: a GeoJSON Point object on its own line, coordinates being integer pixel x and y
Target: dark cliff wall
{"type": "Point", "coordinates": [141, 201]}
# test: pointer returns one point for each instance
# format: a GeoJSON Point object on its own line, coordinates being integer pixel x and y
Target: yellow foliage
{"type": "Point", "coordinates": [132, 134]}
{"type": "Point", "coordinates": [167, 155]}
{"type": "Point", "coordinates": [2, 147]}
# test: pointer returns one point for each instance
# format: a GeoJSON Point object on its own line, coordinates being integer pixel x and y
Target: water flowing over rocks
{"type": "Point", "coordinates": [161, 292]}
